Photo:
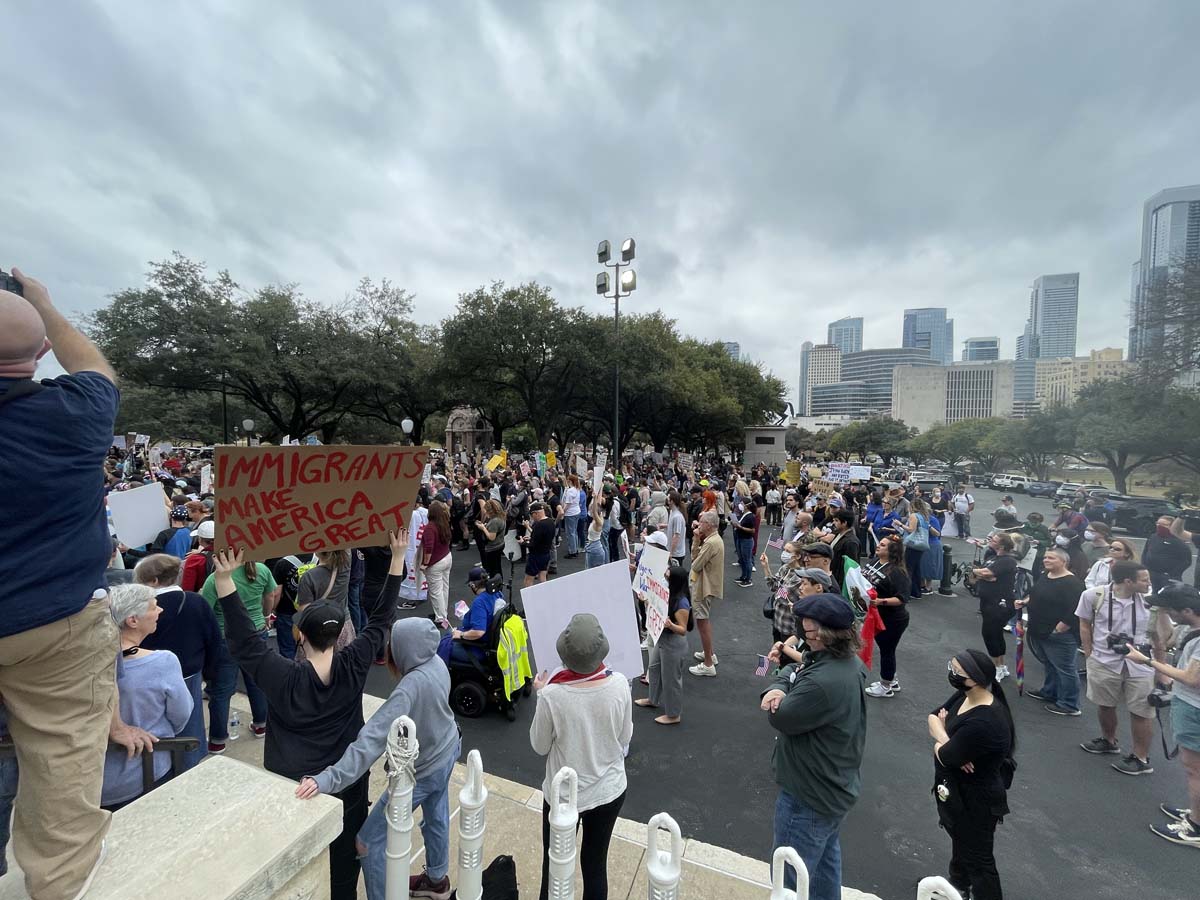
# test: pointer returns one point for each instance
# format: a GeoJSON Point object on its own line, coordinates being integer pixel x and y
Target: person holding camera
{"type": "Point", "coordinates": [1182, 603]}
{"type": "Point", "coordinates": [1111, 619]}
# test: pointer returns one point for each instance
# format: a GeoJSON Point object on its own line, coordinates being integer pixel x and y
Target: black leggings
{"type": "Point", "coordinates": [887, 641]}
{"type": "Point", "coordinates": [598, 826]}
{"type": "Point", "coordinates": [343, 858]}
{"type": "Point", "coordinates": [492, 561]}
{"type": "Point", "coordinates": [973, 858]}
{"type": "Point", "coordinates": [995, 617]}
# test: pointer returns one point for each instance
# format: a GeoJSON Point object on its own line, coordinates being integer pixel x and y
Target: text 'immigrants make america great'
{"type": "Point", "coordinates": [272, 501]}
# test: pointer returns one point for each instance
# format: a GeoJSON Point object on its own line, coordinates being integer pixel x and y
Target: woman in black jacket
{"type": "Point", "coordinates": [974, 741]}
{"type": "Point", "coordinates": [892, 584]}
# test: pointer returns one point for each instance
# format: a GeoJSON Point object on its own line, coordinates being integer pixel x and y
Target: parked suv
{"type": "Point", "coordinates": [982, 479]}
{"type": "Point", "coordinates": [1138, 515]}
{"type": "Point", "coordinates": [1066, 490]}
{"type": "Point", "coordinates": [1042, 488]}
{"type": "Point", "coordinates": [1017, 482]}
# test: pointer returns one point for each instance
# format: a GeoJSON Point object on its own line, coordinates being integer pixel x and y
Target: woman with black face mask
{"type": "Point", "coordinates": [974, 741]}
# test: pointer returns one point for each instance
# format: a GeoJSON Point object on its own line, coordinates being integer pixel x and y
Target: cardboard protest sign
{"type": "Point", "coordinates": [138, 515]}
{"type": "Point", "coordinates": [272, 501]}
{"type": "Point", "coordinates": [650, 583]}
{"type": "Point", "coordinates": [822, 486]}
{"type": "Point", "coordinates": [605, 593]}
{"type": "Point", "coordinates": [494, 463]}
{"type": "Point", "coordinates": [552, 459]}
{"type": "Point", "coordinates": [795, 471]}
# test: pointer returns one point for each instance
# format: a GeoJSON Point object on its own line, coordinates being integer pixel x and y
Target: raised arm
{"type": "Point", "coordinates": [72, 348]}
{"type": "Point", "coordinates": [265, 666]}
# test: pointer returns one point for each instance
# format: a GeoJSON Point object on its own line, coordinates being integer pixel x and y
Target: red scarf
{"type": "Point", "coordinates": [566, 676]}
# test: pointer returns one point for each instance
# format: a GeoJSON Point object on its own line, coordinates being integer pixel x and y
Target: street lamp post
{"type": "Point", "coordinates": [623, 284]}
{"type": "Point", "coordinates": [407, 426]}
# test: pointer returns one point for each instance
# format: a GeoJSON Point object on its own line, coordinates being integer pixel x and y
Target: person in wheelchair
{"type": "Point", "coordinates": [489, 600]}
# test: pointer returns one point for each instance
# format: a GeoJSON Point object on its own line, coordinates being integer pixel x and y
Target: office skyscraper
{"type": "Point", "coordinates": [1170, 236]}
{"type": "Point", "coordinates": [846, 334]}
{"type": "Point", "coordinates": [981, 349]}
{"type": "Point", "coordinates": [822, 365]}
{"type": "Point", "coordinates": [929, 329]}
{"type": "Point", "coordinates": [802, 401]}
{"type": "Point", "coordinates": [873, 370]}
{"type": "Point", "coordinates": [734, 349]}
{"type": "Point", "coordinates": [1054, 314]}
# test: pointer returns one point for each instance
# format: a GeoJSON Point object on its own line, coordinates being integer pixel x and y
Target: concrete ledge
{"type": "Point", "coordinates": [201, 837]}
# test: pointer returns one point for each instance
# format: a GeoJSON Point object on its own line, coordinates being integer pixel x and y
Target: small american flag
{"type": "Point", "coordinates": [776, 541]}
{"type": "Point", "coordinates": [763, 665]}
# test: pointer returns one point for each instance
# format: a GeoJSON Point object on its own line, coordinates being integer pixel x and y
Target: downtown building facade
{"type": "Point", "coordinates": [1170, 240]}
{"type": "Point", "coordinates": [923, 396]}
{"type": "Point", "coordinates": [846, 334]}
{"type": "Point", "coordinates": [1050, 330]}
{"type": "Point", "coordinates": [1057, 382]}
{"type": "Point", "coordinates": [981, 349]}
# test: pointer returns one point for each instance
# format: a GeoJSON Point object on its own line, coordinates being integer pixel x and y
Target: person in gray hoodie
{"type": "Point", "coordinates": [421, 694]}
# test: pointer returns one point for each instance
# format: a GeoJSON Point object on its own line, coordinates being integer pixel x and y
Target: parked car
{"type": "Point", "coordinates": [1018, 483]}
{"type": "Point", "coordinates": [1138, 515]}
{"type": "Point", "coordinates": [1000, 482]}
{"type": "Point", "coordinates": [982, 479]}
{"type": "Point", "coordinates": [1067, 490]}
{"type": "Point", "coordinates": [1042, 488]}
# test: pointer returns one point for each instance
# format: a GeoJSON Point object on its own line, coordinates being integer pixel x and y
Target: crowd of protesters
{"type": "Point", "coordinates": [153, 630]}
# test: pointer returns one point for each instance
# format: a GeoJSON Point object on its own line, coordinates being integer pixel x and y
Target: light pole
{"type": "Point", "coordinates": [622, 286]}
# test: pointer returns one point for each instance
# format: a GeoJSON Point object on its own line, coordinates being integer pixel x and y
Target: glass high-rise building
{"type": "Point", "coordinates": [846, 334]}
{"type": "Point", "coordinates": [873, 369]}
{"type": "Point", "coordinates": [981, 349]}
{"type": "Point", "coordinates": [820, 364]}
{"type": "Point", "coordinates": [1170, 236]}
{"type": "Point", "coordinates": [1054, 314]}
{"type": "Point", "coordinates": [802, 402]}
{"type": "Point", "coordinates": [929, 329]}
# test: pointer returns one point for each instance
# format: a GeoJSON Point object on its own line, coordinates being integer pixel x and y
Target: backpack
{"type": "Point", "coordinates": [500, 879]}
{"type": "Point", "coordinates": [623, 514]}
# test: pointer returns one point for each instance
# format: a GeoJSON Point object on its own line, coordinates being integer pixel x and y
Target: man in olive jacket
{"type": "Point", "coordinates": [819, 709]}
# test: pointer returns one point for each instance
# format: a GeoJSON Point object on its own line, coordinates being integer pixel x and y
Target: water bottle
{"type": "Point", "coordinates": [234, 722]}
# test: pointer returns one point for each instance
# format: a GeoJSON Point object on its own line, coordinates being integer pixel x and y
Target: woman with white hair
{"type": "Point", "coordinates": [150, 688]}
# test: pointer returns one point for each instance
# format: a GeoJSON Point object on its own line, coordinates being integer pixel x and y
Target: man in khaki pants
{"type": "Point", "coordinates": [707, 583]}
{"type": "Point", "coordinates": [58, 642]}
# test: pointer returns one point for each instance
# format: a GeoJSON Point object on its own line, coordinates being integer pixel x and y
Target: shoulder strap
{"type": "Point", "coordinates": [21, 389]}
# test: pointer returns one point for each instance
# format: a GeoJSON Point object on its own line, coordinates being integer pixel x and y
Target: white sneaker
{"type": "Point", "coordinates": [702, 669]}
{"type": "Point", "coordinates": [754, 568]}
{"type": "Point", "coordinates": [96, 868]}
{"type": "Point", "coordinates": [1001, 673]}
{"type": "Point", "coordinates": [699, 654]}
{"type": "Point", "coordinates": [647, 643]}
{"type": "Point", "coordinates": [879, 689]}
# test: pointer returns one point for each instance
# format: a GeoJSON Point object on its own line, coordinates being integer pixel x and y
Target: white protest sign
{"type": "Point", "coordinates": [138, 515]}
{"type": "Point", "coordinates": [860, 473]}
{"type": "Point", "coordinates": [657, 457]}
{"type": "Point", "coordinates": [839, 472]}
{"type": "Point", "coordinates": [581, 466]}
{"type": "Point", "coordinates": [427, 474]}
{"type": "Point", "coordinates": [206, 479]}
{"type": "Point", "coordinates": [525, 468]}
{"type": "Point", "coordinates": [409, 590]}
{"type": "Point", "coordinates": [602, 461]}
{"type": "Point", "coordinates": [605, 593]}
{"type": "Point", "coordinates": [119, 441]}
{"type": "Point", "coordinates": [650, 583]}
{"type": "Point", "coordinates": [285, 441]}
{"type": "Point", "coordinates": [165, 447]}
{"type": "Point", "coordinates": [155, 459]}
{"type": "Point", "coordinates": [638, 456]}
{"type": "Point", "coordinates": [597, 479]}
{"type": "Point", "coordinates": [686, 461]}
{"type": "Point", "coordinates": [143, 439]}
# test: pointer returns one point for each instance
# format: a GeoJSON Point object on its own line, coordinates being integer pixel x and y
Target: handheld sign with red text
{"type": "Point", "coordinates": [272, 501]}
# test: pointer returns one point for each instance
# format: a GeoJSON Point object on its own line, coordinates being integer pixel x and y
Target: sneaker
{"type": "Point", "coordinates": [216, 748]}
{"type": "Point", "coordinates": [1175, 812]}
{"type": "Point", "coordinates": [647, 643]}
{"type": "Point", "coordinates": [87, 883]}
{"type": "Point", "coordinates": [754, 568]}
{"type": "Point", "coordinates": [1184, 832]}
{"type": "Point", "coordinates": [1038, 695]}
{"type": "Point", "coordinates": [895, 685]}
{"type": "Point", "coordinates": [258, 730]}
{"type": "Point", "coordinates": [1002, 673]}
{"type": "Point", "coordinates": [879, 689]}
{"type": "Point", "coordinates": [1061, 710]}
{"type": "Point", "coordinates": [424, 886]}
{"type": "Point", "coordinates": [408, 604]}
{"type": "Point", "coordinates": [1008, 628]}
{"type": "Point", "coordinates": [702, 669]}
{"type": "Point", "coordinates": [699, 655]}
{"type": "Point", "coordinates": [1101, 746]}
{"type": "Point", "coordinates": [1131, 765]}
{"type": "Point", "coordinates": [741, 583]}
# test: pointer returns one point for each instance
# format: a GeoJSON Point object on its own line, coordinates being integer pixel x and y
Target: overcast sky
{"type": "Point", "coordinates": [779, 169]}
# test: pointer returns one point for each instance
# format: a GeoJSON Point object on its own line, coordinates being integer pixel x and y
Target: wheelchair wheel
{"type": "Point", "coordinates": [467, 699]}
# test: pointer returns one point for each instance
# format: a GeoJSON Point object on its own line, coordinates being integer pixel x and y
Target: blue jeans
{"type": "Point", "coordinates": [571, 526]}
{"type": "Point", "coordinates": [1058, 653]}
{"type": "Point", "coordinates": [354, 606]}
{"type": "Point", "coordinates": [815, 838]}
{"type": "Point", "coordinates": [221, 689]}
{"type": "Point", "coordinates": [284, 639]}
{"type": "Point", "coordinates": [8, 793]}
{"type": "Point", "coordinates": [596, 553]}
{"type": "Point", "coordinates": [432, 794]}
{"type": "Point", "coordinates": [195, 725]}
{"type": "Point", "coordinates": [745, 554]}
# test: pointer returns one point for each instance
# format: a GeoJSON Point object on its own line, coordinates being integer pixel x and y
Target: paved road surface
{"type": "Point", "coordinates": [1078, 829]}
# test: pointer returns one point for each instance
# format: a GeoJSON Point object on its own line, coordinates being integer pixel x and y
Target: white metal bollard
{"type": "Point", "coordinates": [789, 856]}
{"type": "Point", "coordinates": [663, 867]}
{"type": "Point", "coordinates": [402, 750]}
{"type": "Point", "coordinates": [472, 818]}
{"type": "Point", "coordinates": [564, 817]}
{"type": "Point", "coordinates": [935, 887]}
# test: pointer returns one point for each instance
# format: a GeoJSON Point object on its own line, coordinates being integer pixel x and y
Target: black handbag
{"type": "Point", "coordinates": [769, 606]}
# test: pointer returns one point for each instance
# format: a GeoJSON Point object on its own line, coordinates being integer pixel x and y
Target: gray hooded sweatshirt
{"type": "Point", "coordinates": [421, 694]}
{"type": "Point", "coordinates": [658, 515]}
